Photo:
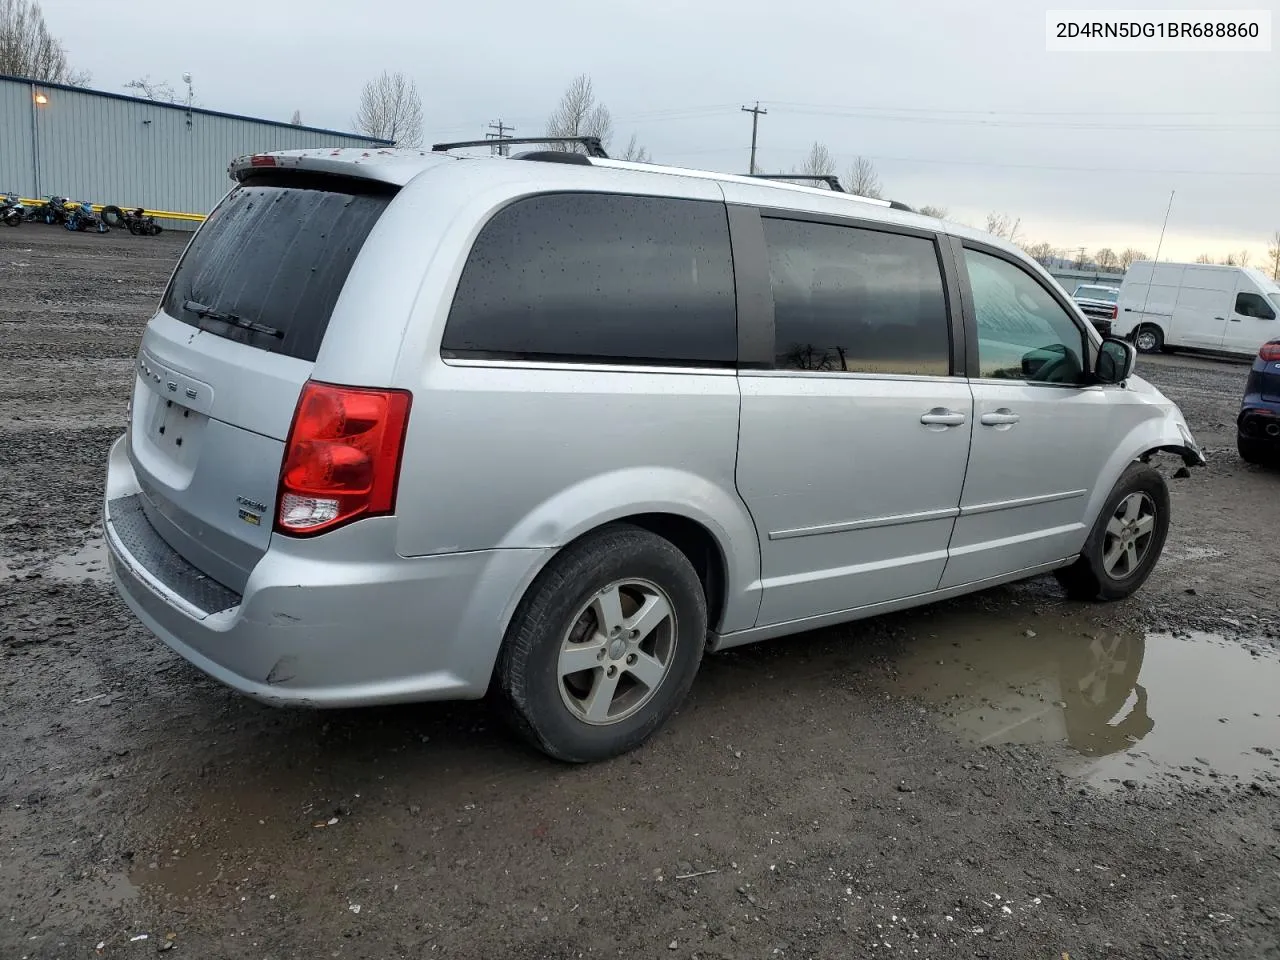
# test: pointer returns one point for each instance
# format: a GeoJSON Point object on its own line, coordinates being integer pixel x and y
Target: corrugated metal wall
{"type": "Point", "coordinates": [17, 163]}
{"type": "Point", "coordinates": [108, 149]}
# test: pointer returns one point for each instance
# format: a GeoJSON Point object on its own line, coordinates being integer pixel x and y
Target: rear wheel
{"type": "Point", "coordinates": [1149, 339]}
{"type": "Point", "coordinates": [112, 215]}
{"type": "Point", "coordinates": [1126, 540]}
{"type": "Point", "coordinates": [604, 646]}
{"type": "Point", "coordinates": [1257, 451]}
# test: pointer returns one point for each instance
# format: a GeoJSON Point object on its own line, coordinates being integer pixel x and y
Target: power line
{"type": "Point", "coordinates": [947, 161]}
{"type": "Point", "coordinates": [1032, 113]}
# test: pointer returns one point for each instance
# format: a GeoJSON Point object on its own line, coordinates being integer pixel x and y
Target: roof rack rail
{"type": "Point", "coordinates": [829, 179]}
{"type": "Point", "coordinates": [552, 156]}
{"type": "Point", "coordinates": [899, 205]}
{"type": "Point", "coordinates": [592, 144]}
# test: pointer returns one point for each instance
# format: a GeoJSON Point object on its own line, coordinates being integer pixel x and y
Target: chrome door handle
{"type": "Point", "coordinates": [940, 416]}
{"type": "Point", "coordinates": [1001, 417]}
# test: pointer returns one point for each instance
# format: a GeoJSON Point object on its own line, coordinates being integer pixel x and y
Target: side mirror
{"type": "Point", "coordinates": [1116, 359]}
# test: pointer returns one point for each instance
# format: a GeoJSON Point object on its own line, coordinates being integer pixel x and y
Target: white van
{"type": "Point", "coordinates": [1197, 305]}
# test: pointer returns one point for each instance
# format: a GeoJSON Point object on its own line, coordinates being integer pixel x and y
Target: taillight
{"type": "Point", "coordinates": [1115, 312]}
{"type": "Point", "coordinates": [342, 458]}
{"type": "Point", "coordinates": [1270, 351]}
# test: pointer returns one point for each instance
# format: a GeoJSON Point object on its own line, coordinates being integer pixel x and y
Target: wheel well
{"type": "Point", "coordinates": [695, 542]}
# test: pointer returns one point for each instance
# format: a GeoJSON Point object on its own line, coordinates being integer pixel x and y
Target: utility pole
{"type": "Point", "coordinates": [501, 149]}
{"type": "Point", "coordinates": [755, 112]}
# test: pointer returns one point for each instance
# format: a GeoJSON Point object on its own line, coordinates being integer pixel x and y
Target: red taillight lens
{"type": "Point", "coordinates": [1270, 351]}
{"type": "Point", "coordinates": [342, 458]}
{"type": "Point", "coordinates": [1115, 312]}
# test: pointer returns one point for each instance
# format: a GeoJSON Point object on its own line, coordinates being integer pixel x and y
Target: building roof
{"type": "Point", "coordinates": [374, 141]}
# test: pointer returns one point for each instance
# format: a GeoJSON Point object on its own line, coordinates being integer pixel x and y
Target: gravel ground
{"type": "Point", "coordinates": [823, 796]}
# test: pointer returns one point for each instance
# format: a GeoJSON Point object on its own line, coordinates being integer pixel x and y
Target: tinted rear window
{"type": "Point", "coordinates": [599, 277]}
{"type": "Point", "coordinates": [276, 253]}
{"type": "Point", "coordinates": [855, 300]}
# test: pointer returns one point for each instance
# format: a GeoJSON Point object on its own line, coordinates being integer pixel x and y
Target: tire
{"type": "Point", "coordinates": [1090, 577]}
{"type": "Point", "coordinates": [156, 229]}
{"type": "Point", "coordinates": [112, 215]}
{"type": "Point", "coordinates": [134, 227]}
{"type": "Point", "coordinates": [1260, 452]}
{"type": "Point", "coordinates": [12, 218]}
{"type": "Point", "coordinates": [1149, 339]}
{"type": "Point", "coordinates": [559, 615]}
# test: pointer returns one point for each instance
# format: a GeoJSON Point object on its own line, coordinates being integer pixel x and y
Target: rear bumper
{"type": "Point", "coordinates": [337, 620]}
{"type": "Point", "coordinates": [1259, 420]}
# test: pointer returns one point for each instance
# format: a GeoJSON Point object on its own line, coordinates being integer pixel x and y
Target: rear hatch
{"type": "Point", "coordinates": [223, 362]}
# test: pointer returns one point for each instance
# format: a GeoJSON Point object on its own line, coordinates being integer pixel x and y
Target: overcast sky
{"type": "Point", "coordinates": [959, 104]}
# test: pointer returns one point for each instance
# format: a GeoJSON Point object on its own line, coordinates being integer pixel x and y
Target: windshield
{"type": "Point", "coordinates": [1110, 294]}
{"type": "Point", "coordinates": [1275, 299]}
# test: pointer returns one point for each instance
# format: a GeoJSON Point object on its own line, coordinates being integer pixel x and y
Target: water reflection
{"type": "Point", "coordinates": [1127, 703]}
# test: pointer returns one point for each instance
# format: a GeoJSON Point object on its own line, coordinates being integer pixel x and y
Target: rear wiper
{"type": "Point", "coordinates": [200, 310]}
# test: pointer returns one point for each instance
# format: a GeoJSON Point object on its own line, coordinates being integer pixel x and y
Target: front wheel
{"type": "Point", "coordinates": [1126, 540]}
{"type": "Point", "coordinates": [1149, 339]}
{"type": "Point", "coordinates": [604, 646]}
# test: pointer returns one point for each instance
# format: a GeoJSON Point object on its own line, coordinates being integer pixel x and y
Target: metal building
{"type": "Point", "coordinates": [107, 148]}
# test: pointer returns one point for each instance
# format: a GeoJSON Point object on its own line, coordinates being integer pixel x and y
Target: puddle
{"type": "Point", "coordinates": [1129, 706]}
{"type": "Point", "coordinates": [88, 562]}
{"type": "Point", "coordinates": [85, 562]}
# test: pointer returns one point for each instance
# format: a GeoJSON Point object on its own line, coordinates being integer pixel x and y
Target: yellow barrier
{"type": "Point", "coordinates": [97, 208]}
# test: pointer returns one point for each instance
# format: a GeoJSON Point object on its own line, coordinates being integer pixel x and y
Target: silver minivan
{"type": "Point", "coordinates": [417, 426]}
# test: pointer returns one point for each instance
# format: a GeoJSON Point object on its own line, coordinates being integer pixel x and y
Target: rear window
{"type": "Point", "coordinates": [599, 277]}
{"type": "Point", "coordinates": [267, 266]}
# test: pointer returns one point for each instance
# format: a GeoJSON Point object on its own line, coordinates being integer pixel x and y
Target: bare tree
{"type": "Point", "coordinates": [28, 49]}
{"type": "Point", "coordinates": [1041, 252]}
{"type": "Point", "coordinates": [391, 109]}
{"type": "Point", "coordinates": [931, 211]}
{"type": "Point", "coordinates": [1002, 226]}
{"type": "Point", "coordinates": [636, 153]}
{"type": "Point", "coordinates": [296, 119]}
{"type": "Point", "coordinates": [1106, 259]}
{"type": "Point", "coordinates": [1205, 258]}
{"type": "Point", "coordinates": [1228, 261]}
{"type": "Point", "coordinates": [1273, 256]}
{"type": "Point", "coordinates": [1130, 257]}
{"type": "Point", "coordinates": [820, 162]}
{"type": "Point", "coordinates": [863, 179]}
{"type": "Point", "coordinates": [578, 115]}
{"type": "Point", "coordinates": [156, 90]}
{"type": "Point", "coordinates": [1243, 257]}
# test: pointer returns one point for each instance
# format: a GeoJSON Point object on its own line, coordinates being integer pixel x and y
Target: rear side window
{"type": "Point", "coordinates": [599, 277]}
{"type": "Point", "coordinates": [863, 301]}
{"type": "Point", "coordinates": [267, 266]}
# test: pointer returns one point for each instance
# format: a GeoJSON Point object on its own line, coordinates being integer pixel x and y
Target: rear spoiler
{"type": "Point", "coordinates": [394, 167]}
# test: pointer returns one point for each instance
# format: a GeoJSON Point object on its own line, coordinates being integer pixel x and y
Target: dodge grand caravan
{"type": "Point", "coordinates": [415, 426]}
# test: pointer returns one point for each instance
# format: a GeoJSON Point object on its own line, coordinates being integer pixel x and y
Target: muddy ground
{"type": "Point", "coordinates": [1009, 775]}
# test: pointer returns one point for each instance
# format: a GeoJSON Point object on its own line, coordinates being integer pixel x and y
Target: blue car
{"type": "Point", "coordinates": [1258, 437]}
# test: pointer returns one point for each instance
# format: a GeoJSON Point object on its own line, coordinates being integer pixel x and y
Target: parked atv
{"type": "Point", "coordinates": [55, 210]}
{"type": "Point", "coordinates": [12, 211]}
{"type": "Point", "coordinates": [140, 224]}
{"type": "Point", "coordinates": [135, 220]}
{"type": "Point", "coordinates": [80, 216]}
